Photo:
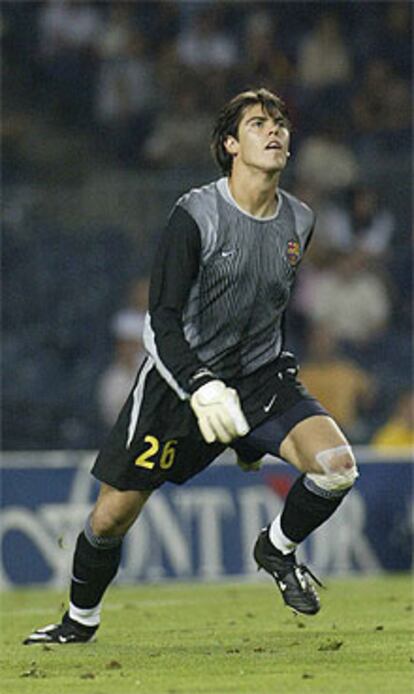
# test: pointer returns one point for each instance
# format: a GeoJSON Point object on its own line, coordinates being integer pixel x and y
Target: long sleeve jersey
{"type": "Point", "coordinates": [220, 284]}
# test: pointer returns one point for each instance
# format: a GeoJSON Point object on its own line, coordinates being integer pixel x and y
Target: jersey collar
{"type": "Point", "coordinates": [224, 190]}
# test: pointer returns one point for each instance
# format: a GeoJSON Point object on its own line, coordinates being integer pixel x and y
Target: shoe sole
{"type": "Point", "coordinates": [40, 642]}
{"type": "Point", "coordinates": [295, 610]}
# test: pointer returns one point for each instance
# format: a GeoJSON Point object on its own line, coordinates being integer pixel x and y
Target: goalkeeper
{"type": "Point", "coordinates": [216, 374]}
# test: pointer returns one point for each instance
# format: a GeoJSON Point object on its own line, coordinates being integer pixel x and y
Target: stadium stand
{"type": "Point", "coordinates": [82, 209]}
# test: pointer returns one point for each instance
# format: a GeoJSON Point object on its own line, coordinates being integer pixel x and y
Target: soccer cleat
{"type": "Point", "coordinates": [291, 579]}
{"type": "Point", "coordinates": [68, 631]}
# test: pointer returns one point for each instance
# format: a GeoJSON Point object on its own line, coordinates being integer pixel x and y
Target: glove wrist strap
{"type": "Point", "coordinates": [200, 378]}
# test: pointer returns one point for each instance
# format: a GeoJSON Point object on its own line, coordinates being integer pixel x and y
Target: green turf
{"type": "Point", "coordinates": [219, 638]}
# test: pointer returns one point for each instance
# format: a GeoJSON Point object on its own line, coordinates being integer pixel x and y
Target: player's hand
{"type": "Point", "coordinates": [249, 467]}
{"type": "Point", "coordinates": [218, 412]}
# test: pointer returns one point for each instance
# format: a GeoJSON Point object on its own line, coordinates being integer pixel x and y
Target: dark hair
{"type": "Point", "coordinates": [229, 118]}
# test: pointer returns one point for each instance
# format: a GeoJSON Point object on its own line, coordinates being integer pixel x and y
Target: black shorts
{"type": "Point", "coordinates": [156, 436]}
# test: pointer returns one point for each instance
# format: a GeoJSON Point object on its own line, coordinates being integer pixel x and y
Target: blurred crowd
{"type": "Point", "coordinates": [141, 82]}
{"type": "Point", "coordinates": [144, 79]}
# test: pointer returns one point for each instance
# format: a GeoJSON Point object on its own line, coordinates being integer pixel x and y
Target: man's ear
{"type": "Point", "coordinates": [231, 145]}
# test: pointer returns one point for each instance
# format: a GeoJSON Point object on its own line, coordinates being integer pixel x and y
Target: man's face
{"type": "Point", "coordinates": [263, 140]}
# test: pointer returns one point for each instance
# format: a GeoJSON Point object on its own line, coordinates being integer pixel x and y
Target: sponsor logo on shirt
{"type": "Point", "coordinates": [293, 252]}
{"type": "Point", "coordinates": [228, 253]}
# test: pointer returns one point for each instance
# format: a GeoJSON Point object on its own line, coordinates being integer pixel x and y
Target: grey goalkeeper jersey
{"type": "Point", "coordinates": [221, 283]}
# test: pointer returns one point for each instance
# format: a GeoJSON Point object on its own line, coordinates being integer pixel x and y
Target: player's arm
{"type": "Point", "coordinates": [176, 266]}
{"type": "Point", "coordinates": [310, 233]}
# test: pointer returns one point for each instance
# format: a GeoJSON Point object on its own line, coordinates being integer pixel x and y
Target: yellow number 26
{"type": "Point", "coordinates": [168, 451]}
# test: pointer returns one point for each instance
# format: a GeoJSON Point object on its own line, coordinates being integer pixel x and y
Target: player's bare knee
{"type": "Point", "coordinates": [104, 524]}
{"type": "Point", "coordinates": [336, 469]}
{"type": "Point", "coordinates": [116, 511]}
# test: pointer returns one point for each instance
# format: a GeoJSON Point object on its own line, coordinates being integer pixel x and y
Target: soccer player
{"type": "Point", "coordinates": [216, 374]}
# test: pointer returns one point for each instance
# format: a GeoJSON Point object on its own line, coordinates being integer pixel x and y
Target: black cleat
{"type": "Point", "coordinates": [291, 579]}
{"type": "Point", "coordinates": [68, 631]}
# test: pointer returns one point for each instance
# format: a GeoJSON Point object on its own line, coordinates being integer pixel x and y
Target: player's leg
{"type": "Point", "coordinates": [95, 563]}
{"type": "Point", "coordinates": [317, 447]}
{"type": "Point", "coordinates": [143, 451]}
{"type": "Point", "coordinates": [98, 550]}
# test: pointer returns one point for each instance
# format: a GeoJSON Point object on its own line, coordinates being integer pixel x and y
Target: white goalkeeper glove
{"type": "Point", "coordinates": [218, 412]}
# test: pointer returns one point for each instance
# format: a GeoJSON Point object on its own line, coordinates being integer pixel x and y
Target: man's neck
{"type": "Point", "coordinates": [255, 193]}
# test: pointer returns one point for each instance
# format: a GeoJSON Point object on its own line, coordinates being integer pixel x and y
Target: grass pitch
{"type": "Point", "coordinates": [219, 638]}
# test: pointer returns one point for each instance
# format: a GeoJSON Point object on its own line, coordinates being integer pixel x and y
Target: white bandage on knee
{"type": "Point", "coordinates": [339, 469]}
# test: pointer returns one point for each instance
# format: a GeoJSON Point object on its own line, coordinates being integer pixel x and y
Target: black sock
{"type": "Point", "coordinates": [306, 510]}
{"type": "Point", "coordinates": [94, 567]}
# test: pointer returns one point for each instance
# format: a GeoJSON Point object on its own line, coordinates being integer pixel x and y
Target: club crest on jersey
{"type": "Point", "coordinates": [293, 252]}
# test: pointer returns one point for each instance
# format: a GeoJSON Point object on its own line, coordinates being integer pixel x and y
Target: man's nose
{"type": "Point", "coordinates": [274, 128]}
